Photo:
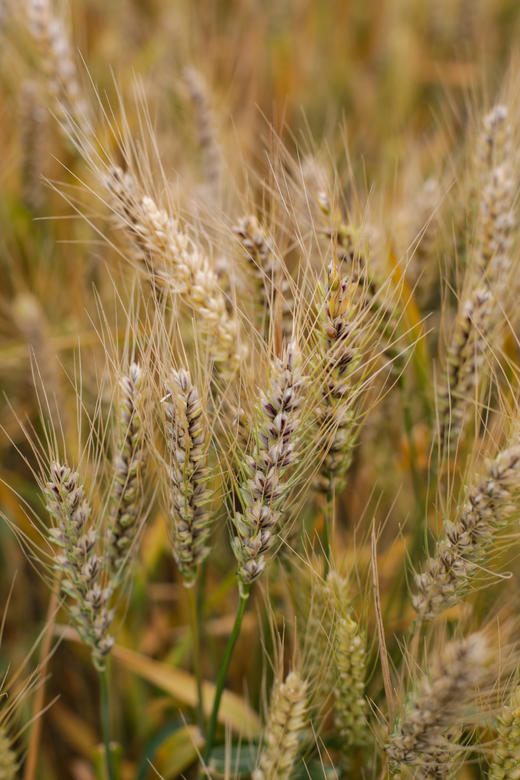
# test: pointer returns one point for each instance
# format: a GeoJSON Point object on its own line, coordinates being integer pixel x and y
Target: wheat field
{"type": "Point", "coordinates": [260, 389]}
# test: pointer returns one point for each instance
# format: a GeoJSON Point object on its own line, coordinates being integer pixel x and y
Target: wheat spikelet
{"type": "Point", "coordinates": [8, 759]}
{"type": "Point", "coordinates": [264, 490]}
{"type": "Point", "coordinates": [173, 261]}
{"type": "Point", "coordinates": [83, 577]}
{"type": "Point", "coordinates": [470, 538]}
{"type": "Point", "coordinates": [188, 474]}
{"type": "Point", "coordinates": [287, 718]}
{"type": "Point", "coordinates": [441, 704]}
{"type": "Point", "coordinates": [505, 764]}
{"type": "Point", "coordinates": [58, 64]}
{"type": "Point", "coordinates": [128, 471]}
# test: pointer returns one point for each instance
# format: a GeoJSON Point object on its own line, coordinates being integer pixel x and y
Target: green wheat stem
{"type": "Point", "coordinates": [328, 525]}
{"type": "Point", "coordinates": [193, 601]}
{"type": "Point", "coordinates": [104, 700]}
{"type": "Point", "coordinates": [224, 666]}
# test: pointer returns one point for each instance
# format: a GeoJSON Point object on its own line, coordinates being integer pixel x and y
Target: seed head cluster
{"type": "Point", "coordinates": [83, 577]}
{"type": "Point", "coordinates": [265, 488]}
{"type": "Point", "coordinates": [188, 474]}
{"type": "Point", "coordinates": [129, 461]}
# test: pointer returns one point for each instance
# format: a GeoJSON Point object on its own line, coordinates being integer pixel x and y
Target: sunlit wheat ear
{"type": "Point", "coordinates": [188, 475]}
{"type": "Point", "coordinates": [336, 656]}
{"type": "Point", "coordinates": [496, 196]}
{"type": "Point", "coordinates": [471, 538]}
{"type": "Point", "coordinates": [207, 135]}
{"type": "Point", "coordinates": [349, 659]}
{"type": "Point", "coordinates": [485, 285]}
{"type": "Point", "coordinates": [288, 716]}
{"type": "Point", "coordinates": [128, 464]}
{"type": "Point", "coordinates": [273, 288]}
{"type": "Point", "coordinates": [8, 758]}
{"type": "Point", "coordinates": [175, 263]}
{"type": "Point", "coordinates": [342, 346]}
{"type": "Point", "coordinates": [83, 578]}
{"type": "Point", "coordinates": [264, 486]}
{"type": "Point", "coordinates": [444, 701]}
{"type": "Point", "coordinates": [505, 764]}
{"type": "Point", "coordinates": [58, 65]}
{"type": "Point", "coordinates": [464, 362]}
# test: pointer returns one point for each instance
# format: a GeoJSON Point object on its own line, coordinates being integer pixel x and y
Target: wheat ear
{"type": "Point", "coordinates": [441, 704]}
{"type": "Point", "coordinates": [174, 262]}
{"type": "Point", "coordinates": [129, 462]}
{"type": "Point", "coordinates": [82, 573]}
{"type": "Point", "coordinates": [470, 538]}
{"type": "Point", "coordinates": [188, 474]}
{"type": "Point", "coordinates": [486, 280]}
{"type": "Point", "coordinates": [265, 488]}
{"type": "Point", "coordinates": [505, 764]}
{"type": "Point", "coordinates": [206, 128]}
{"type": "Point", "coordinates": [287, 718]}
{"type": "Point", "coordinates": [8, 759]}
{"type": "Point", "coordinates": [56, 58]}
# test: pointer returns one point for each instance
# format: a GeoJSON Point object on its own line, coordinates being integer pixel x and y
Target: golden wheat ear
{"type": "Point", "coordinates": [288, 716]}
{"type": "Point", "coordinates": [188, 477]}
{"type": "Point", "coordinates": [445, 700]}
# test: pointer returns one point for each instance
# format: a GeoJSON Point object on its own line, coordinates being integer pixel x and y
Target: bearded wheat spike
{"type": "Point", "coordinates": [265, 489]}
{"type": "Point", "coordinates": [440, 707]}
{"type": "Point", "coordinates": [128, 471]}
{"type": "Point", "coordinates": [57, 61]}
{"type": "Point", "coordinates": [506, 755]}
{"type": "Point", "coordinates": [287, 719]}
{"type": "Point", "coordinates": [82, 571]}
{"type": "Point", "coordinates": [348, 664]}
{"type": "Point", "coordinates": [188, 476]}
{"type": "Point", "coordinates": [468, 541]}
{"type": "Point", "coordinates": [339, 356]}
{"type": "Point", "coordinates": [464, 363]}
{"type": "Point", "coordinates": [273, 289]}
{"type": "Point", "coordinates": [8, 759]}
{"type": "Point", "coordinates": [173, 261]}
{"type": "Point", "coordinates": [487, 274]}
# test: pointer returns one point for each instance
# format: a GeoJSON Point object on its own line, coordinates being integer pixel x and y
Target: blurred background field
{"type": "Point", "coordinates": [385, 93]}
